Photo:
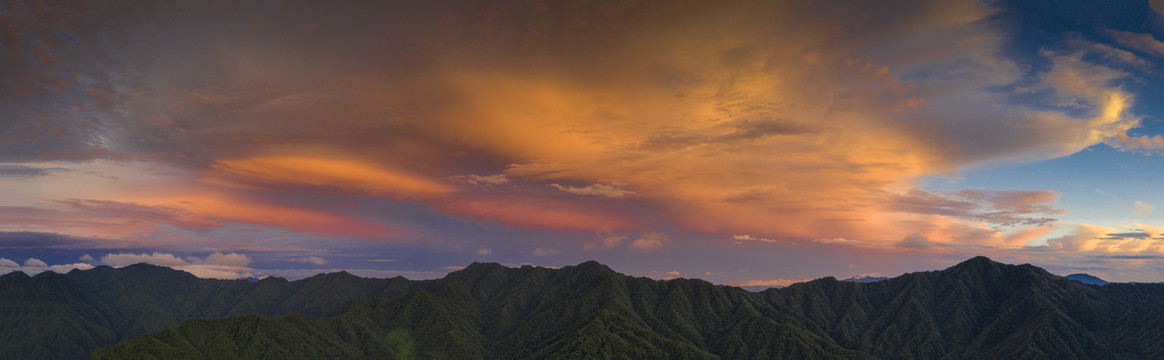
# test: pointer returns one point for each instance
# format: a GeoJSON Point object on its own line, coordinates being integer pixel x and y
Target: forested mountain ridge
{"type": "Point", "coordinates": [976, 309]}
{"type": "Point", "coordinates": [62, 316]}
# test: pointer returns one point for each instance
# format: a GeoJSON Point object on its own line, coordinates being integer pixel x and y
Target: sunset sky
{"type": "Point", "coordinates": [742, 142]}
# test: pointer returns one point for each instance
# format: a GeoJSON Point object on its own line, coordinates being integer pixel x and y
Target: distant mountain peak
{"type": "Point", "coordinates": [593, 265]}
{"type": "Point", "coordinates": [981, 260]}
{"type": "Point", "coordinates": [1087, 279]}
{"type": "Point", "coordinates": [480, 268]}
{"type": "Point", "coordinates": [866, 278]}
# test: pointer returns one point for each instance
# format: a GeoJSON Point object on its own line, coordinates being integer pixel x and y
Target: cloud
{"type": "Point", "coordinates": [90, 217]}
{"type": "Point", "coordinates": [213, 271]}
{"type": "Point", "coordinates": [994, 207]}
{"type": "Point", "coordinates": [26, 172]}
{"type": "Point", "coordinates": [495, 179]}
{"type": "Point", "coordinates": [6, 263]}
{"type": "Point", "coordinates": [650, 241]}
{"type": "Point", "coordinates": [42, 240]}
{"type": "Point", "coordinates": [841, 241]}
{"type": "Point", "coordinates": [86, 257]}
{"type": "Point", "coordinates": [611, 190]}
{"type": "Point", "coordinates": [1090, 237]}
{"type": "Point", "coordinates": [1145, 43]}
{"type": "Point", "coordinates": [311, 259]}
{"type": "Point", "coordinates": [746, 237]}
{"type": "Point", "coordinates": [78, 220]}
{"type": "Point", "coordinates": [33, 266]}
{"type": "Point", "coordinates": [546, 251]}
{"type": "Point", "coordinates": [230, 259]}
{"type": "Point", "coordinates": [484, 251]}
{"type": "Point", "coordinates": [1129, 235]}
{"type": "Point", "coordinates": [1142, 208]}
{"type": "Point", "coordinates": [339, 173]}
{"type": "Point", "coordinates": [914, 241]}
{"type": "Point", "coordinates": [767, 283]}
{"type": "Point", "coordinates": [216, 265]}
{"type": "Point", "coordinates": [605, 239]}
{"type": "Point", "coordinates": [64, 268]}
{"type": "Point", "coordinates": [673, 273]}
{"type": "Point", "coordinates": [34, 262]}
{"type": "Point", "coordinates": [543, 213]}
{"type": "Point", "coordinates": [693, 110]}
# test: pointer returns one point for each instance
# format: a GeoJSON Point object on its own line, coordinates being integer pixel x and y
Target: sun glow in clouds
{"type": "Point", "coordinates": [634, 132]}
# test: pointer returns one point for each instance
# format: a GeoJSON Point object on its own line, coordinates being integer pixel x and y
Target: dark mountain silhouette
{"type": "Point", "coordinates": [63, 316]}
{"type": "Point", "coordinates": [1087, 279]}
{"type": "Point", "coordinates": [974, 310]}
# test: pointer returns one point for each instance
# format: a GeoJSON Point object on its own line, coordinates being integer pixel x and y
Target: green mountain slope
{"type": "Point", "coordinates": [490, 311]}
{"type": "Point", "coordinates": [62, 316]}
{"type": "Point", "coordinates": [977, 309]}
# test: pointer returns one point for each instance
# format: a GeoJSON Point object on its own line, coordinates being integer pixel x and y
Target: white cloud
{"type": "Point", "coordinates": [547, 251]}
{"type": "Point", "coordinates": [611, 190]}
{"type": "Point", "coordinates": [1142, 208]}
{"type": "Point", "coordinates": [1084, 237]}
{"type": "Point", "coordinates": [674, 273]}
{"type": "Point", "coordinates": [86, 257]}
{"type": "Point", "coordinates": [746, 237]}
{"type": "Point", "coordinates": [34, 262]}
{"type": "Point", "coordinates": [650, 241]}
{"type": "Point", "coordinates": [69, 267]}
{"type": "Point", "coordinates": [214, 271]}
{"type": "Point", "coordinates": [34, 266]}
{"type": "Point", "coordinates": [232, 259]}
{"type": "Point", "coordinates": [841, 241]}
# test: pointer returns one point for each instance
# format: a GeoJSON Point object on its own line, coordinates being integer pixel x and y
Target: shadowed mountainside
{"type": "Point", "coordinates": [976, 309]}
{"type": "Point", "coordinates": [62, 316]}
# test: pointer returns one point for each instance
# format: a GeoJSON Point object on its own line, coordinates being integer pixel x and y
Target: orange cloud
{"type": "Point", "coordinates": [781, 120]}
{"type": "Point", "coordinates": [226, 208]}
{"type": "Point", "coordinates": [338, 173]}
{"type": "Point", "coordinates": [540, 213]}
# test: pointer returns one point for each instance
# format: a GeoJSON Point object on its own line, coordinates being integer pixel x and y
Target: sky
{"type": "Point", "coordinates": [752, 143]}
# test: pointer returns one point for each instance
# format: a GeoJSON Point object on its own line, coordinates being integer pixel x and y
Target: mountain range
{"type": "Point", "coordinates": [976, 309]}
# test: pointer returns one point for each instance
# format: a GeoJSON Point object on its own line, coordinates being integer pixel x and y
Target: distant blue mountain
{"type": "Point", "coordinates": [866, 279]}
{"type": "Point", "coordinates": [1087, 279]}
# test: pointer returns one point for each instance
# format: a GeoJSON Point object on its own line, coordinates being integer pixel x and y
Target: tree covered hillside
{"type": "Point", "coordinates": [977, 309]}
